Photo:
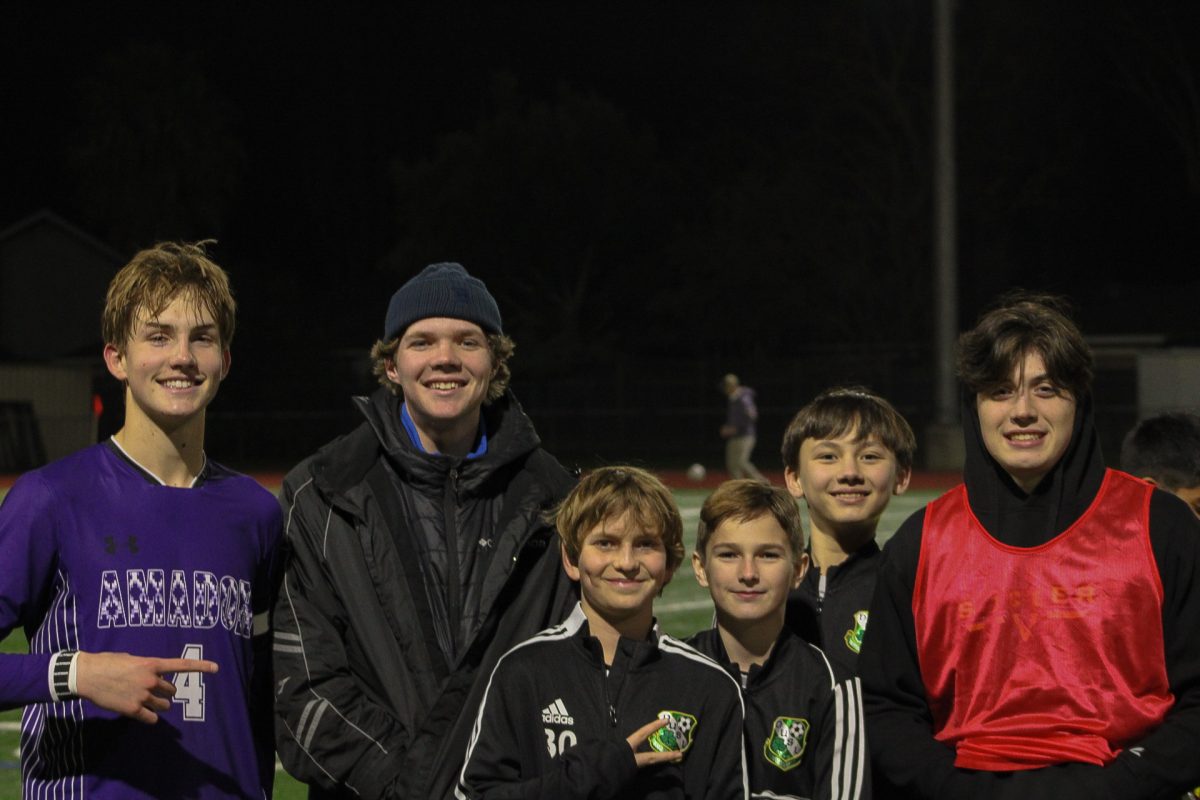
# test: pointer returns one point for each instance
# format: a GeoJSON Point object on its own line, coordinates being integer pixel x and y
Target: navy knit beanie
{"type": "Point", "coordinates": [441, 290]}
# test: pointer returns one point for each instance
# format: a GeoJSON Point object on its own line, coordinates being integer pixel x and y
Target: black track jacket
{"type": "Point", "coordinates": [553, 725]}
{"type": "Point", "coordinates": [847, 593]}
{"type": "Point", "coordinates": [805, 734]}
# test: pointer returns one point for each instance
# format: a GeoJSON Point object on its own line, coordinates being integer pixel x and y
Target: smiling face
{"type": "Point", "coordinates": [846, 482]}
{"type": "Point", "coordinates": [749, 568]}
{"type": "Point", "coordinates": [620, 569]}
{"type": "Point", "coordinates": [172, 365]}
{"type": "Point", "coordinates": [1026, 422]}
{"type": "Point", "coordinates": [443, 366]}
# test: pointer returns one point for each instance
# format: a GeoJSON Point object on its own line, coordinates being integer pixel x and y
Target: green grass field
{"type": "Point", "coordinates": [683, 609]}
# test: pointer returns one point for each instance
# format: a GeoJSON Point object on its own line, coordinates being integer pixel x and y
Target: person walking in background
{"type": "Point", "coordinates": [418, 553]}
{"type": "Point", "coordinates": [741, 416]}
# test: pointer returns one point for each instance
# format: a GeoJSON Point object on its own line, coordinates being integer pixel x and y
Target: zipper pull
{"type": "Point", "coordinates": [612, 715]}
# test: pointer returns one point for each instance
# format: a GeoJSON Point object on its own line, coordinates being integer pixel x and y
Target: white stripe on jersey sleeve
{"type": "Point", "coordinates": [849, 745]}
{"type": "Point", "coordinates": [564, 630]}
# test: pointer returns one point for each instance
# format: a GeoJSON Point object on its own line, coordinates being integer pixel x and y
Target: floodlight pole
{"type": "Point", "coordinates": [943, 442]}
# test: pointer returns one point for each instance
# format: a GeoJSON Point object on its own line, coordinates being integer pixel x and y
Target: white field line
{"type": "Point", "coordinates": [682, 605]}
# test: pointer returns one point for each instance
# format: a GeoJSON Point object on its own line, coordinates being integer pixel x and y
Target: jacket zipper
{"type": "Point", "coordinates": [453, 583]}
{"type": "Point", "coordinates": [612, 711]}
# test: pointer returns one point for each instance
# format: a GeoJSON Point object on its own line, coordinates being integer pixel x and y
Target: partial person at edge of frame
{"type": "Point", "coordinates": [1165, 450]}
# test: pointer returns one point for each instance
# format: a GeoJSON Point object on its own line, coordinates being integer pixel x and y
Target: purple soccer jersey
{"type": "Point", "coordinates": [96, 555]}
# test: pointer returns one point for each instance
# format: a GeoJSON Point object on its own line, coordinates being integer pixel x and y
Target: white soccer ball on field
{"type": "Point", "coordinates": [696, 472]}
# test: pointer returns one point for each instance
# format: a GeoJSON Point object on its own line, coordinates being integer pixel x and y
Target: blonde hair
{"type": "Point", "coordinates": [155, 277]}
{"type": "Point", "coordinates": [609, 492]}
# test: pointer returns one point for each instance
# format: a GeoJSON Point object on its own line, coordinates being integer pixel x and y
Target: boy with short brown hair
{"type": "Point", "coordinates": [804, 726]}
{"type": "Point", "coordinates": [846, 453]}
{"type": "Point", "coordinates": [602, 705]}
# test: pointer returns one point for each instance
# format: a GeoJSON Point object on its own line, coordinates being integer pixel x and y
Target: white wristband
{"type": "Point", "coordinates": [73, 675]}
{"type": "Point", "coordinates": [62, 675]}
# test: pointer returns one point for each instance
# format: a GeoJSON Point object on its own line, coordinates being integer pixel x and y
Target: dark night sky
{"type": "Point", "coordinates": [617, 173]}
{"type": "Point", "coordinates": [322, 103]}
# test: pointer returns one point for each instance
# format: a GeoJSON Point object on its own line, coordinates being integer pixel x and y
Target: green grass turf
{"type": "Point", "coordinates": [683, 609]}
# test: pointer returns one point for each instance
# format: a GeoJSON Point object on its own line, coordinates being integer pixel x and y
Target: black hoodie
{"type": "Point", "coordinates": [899, 724]}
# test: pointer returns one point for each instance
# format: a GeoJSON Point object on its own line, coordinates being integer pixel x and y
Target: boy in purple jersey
{"type": "Point", "coordinates": [140, 570]}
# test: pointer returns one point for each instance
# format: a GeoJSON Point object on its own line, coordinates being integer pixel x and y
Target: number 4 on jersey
{"type": "Point", "coordinates": [189, 687]}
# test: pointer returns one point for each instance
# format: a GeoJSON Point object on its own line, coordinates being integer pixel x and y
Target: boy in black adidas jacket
{"type": "Point", "coordinates": [603, 706]}
{"type": "Point", "coordinates": [804, 725]}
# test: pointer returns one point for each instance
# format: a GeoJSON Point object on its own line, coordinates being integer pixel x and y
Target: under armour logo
{"type": "Point", "coordinates": [111, 546]}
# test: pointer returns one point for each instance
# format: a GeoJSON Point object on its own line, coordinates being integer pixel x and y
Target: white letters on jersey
{"type": "Point", "coordinates": [142, 600]}
{"type": "Point", "coordinates": [189, 687]}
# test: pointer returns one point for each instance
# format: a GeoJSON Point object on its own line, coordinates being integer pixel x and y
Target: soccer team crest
{"type": "Point", "coordinates": [785, 746]}
{"type": "Point", "coordinates": [854, 637]}
{"type": "Point", "coordinates": [676, 735]}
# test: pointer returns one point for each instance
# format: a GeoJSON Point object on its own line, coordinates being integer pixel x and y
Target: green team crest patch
{"type": "Point", "coordinates": [676, 735]}
{"type": "Point", "coordinates": [854, 637]}
{"type": "Point", "coordinates": [785, 746]}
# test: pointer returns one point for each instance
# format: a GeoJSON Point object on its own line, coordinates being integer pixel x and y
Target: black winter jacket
{"type": "Point", "coordinates": [371, 700]}
{"type": "Point", "coordinates": [554, 725]}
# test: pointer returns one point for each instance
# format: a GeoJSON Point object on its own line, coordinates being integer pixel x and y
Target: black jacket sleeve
{"type": "Point", "coordinates": [900, 727]}
{"type": "Point", "coordinates": [840, 764]}
{"type": "Point", "coordinates": [727, 771]}
{"type": "Point", "coordinates": [1166, 759]}
{"type": "Point", "coordinates": [313, 680]}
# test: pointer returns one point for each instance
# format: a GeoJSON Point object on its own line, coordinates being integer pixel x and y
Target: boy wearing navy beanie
{"type": "Point", "coordinates": [419, 553]}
